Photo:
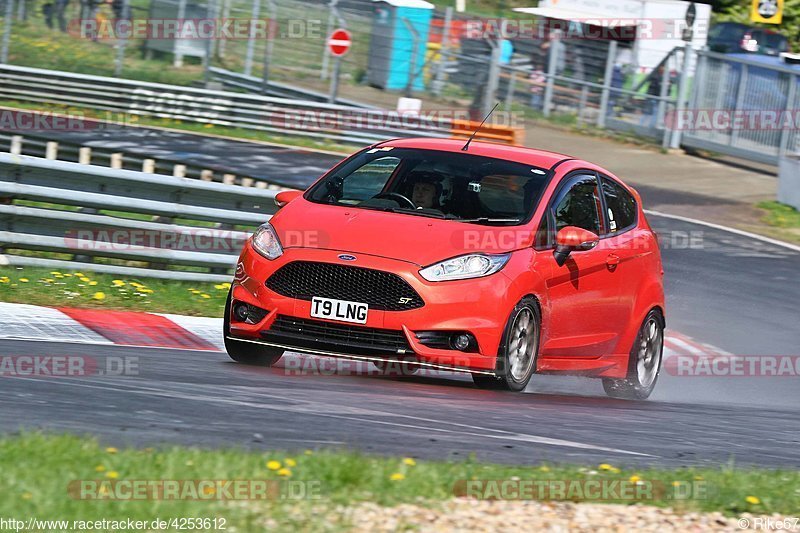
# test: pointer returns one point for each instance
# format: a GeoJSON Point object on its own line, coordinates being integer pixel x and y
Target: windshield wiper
{"type": "Point", "coordinates": [489, 220]}
{"type": "Point", "coordinates": [404, 210]}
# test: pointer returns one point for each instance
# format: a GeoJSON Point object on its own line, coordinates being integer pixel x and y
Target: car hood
{"type": "Point", "coordinates": [414, 239]}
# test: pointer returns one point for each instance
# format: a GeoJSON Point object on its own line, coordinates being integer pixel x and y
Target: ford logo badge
{"type": "Point", "coordinates": [347, 257]}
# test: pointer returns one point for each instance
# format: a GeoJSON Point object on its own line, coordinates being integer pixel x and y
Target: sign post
{"type": "Point", "coordinates": [339, 44]}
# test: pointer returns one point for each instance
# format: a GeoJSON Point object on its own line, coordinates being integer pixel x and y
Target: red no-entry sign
{"type": "Point", "coordinates": [339, 42]}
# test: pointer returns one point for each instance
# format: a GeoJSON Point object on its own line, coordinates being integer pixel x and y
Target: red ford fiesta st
{"type": "Point", "coordinates": [500, 261]}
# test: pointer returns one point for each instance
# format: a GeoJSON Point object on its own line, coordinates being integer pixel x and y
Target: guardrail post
{"type": "Point", "coordinates": [149, 166]}
{"type": "Point", "coordinates": [228, 179]}
{"type": "Point", "coordinates": [605, 96]}
{"type": "Point", "coordinates": [16, 145]}
{"type": "Point", "coordinates": [261, 185]}
{"type": "Point", "coordinates": [85, 155]}
{"type": "Point", "coordinates": [116, 160]}
{"type": "Point", "coordinates": [179, 171]}
{"type": "Point", "coordinates": [177, 60]}
{"type": "Point", "coordinates": [247, 182]}
{"type": "Point", "coordinates": [51, 150]}
{"type": "Point", "coordinates": [207, 175]}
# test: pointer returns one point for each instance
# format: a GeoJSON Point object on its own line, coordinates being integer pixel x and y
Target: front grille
{"type": "Point", "coordinates": [380, 290]}
{"type": "Point", "coordinates": [306, 333]}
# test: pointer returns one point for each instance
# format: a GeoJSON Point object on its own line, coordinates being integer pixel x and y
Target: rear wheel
{"type": "Point", "coordinates": [247, 353]}
{"type": "Point", "coordinates": [644, 362]}
{"type": "Point", "coordinates": [519, 350]}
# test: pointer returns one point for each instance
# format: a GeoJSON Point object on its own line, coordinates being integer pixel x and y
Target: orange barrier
{"type": "Point", "coordinates": [462, 129]}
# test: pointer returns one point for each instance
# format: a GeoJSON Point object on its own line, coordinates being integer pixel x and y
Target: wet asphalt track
{"type": "Point", "coordinates": [738, 294]}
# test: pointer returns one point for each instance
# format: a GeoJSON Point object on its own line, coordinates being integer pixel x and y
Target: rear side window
{"type": "Point", "coordinates": [580, 206]}
{"type": "Point", "coordinates": [620, 205]}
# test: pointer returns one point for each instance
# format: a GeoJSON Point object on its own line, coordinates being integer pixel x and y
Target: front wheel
{"type": "Point", "coordinates": [247, 353]}
{"type": "Point", "coordinates": [519, 349]}
{"type": "Point", "coordinates": [644, 362]}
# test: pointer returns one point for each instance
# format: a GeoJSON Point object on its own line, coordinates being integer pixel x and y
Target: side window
{"type": "Point", "coordinates": [621, 206]}
{"type": "Point", "coordinates": [369, 180]}
{"type": "Point", "coordinates": [580, 207]}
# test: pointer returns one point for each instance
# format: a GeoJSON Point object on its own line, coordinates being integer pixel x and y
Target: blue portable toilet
{"type": "Point", "coordinates": [392, 50]}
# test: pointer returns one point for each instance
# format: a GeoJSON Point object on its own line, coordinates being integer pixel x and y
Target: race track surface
{"type": "Point", "coordinates": [735, 293]}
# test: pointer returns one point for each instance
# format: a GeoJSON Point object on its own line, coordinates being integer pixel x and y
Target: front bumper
{"type": "Point", "coordinates": [479, 306]}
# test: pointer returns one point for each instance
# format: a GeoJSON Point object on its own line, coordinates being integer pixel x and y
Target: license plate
{"type": "Point", "coordinates": [341, 310]}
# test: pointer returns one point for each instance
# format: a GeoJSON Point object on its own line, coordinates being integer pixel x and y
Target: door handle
{"type": "Point", "coordinates": [612, 260]}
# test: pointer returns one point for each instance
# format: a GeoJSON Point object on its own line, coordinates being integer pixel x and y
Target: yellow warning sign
{"type": "Point", "coordinates": [767, 11]}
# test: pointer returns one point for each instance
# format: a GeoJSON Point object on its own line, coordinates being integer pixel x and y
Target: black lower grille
{"type": "Point", "coordinates": [306, 333]}
{"type": "Point", "coordinates": [380, 290]}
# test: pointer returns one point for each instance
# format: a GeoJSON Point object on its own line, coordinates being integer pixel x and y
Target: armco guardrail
{"type": "Point", "coordinates": [282, 116]}
{"type": "Point", "coordinates": [254, 84]}
{"type": "Point", "coordinates": [254, 112]}
{"type": "Point", "coordinates": [125, 244]}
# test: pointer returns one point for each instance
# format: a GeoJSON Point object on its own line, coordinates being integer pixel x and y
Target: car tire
{"type": "Point", "coordinates": [519, 350]}
{"type": "Point", "coordinates": [247, 353]}
{"type": "Point", "coordinates": [644, 363]}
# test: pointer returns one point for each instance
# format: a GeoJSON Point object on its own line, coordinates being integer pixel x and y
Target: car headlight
{"type": "Point", "coordinates": [465, 267]}
{"type": "Point", "coordinates": [266, 242]}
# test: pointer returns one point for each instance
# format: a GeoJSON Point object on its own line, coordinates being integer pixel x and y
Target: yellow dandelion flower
{"type": "Point", "coordinates": [146, 291]}
{"type": "Point", "coordinates": [206, 296]}
{"type": "Point", "coordinates": [118, 283]}
{"type": "Point", "coordinates": [397, 476]}
{"type": "Point", "coordinates": [227, 285]}
{"type": "Point", "coordinates": [614, 470]}
{"type": "Point", "coordinates": [55, 273]}
{"type": "Point", "coordinates": [209, 491]}
{"type": "Point", "coordinates": [48, 280]}
{"type": "Point", "coordinates": [544, 468]}
{"type": "Point", "coordinates": [409, 461]}
{"type": "Point", "coordinates": [219, 287]}
{"type": "Point", "coordinates": [634, 479]}
{"type": "Point", "coordinates": [111, 450]}
{"type": "Point", "coordinates": [274, 465]}
{"type": "Point", "coordinates": [285, 472]}
{"type": "Point", "coordinates": [85, 279]}
{"type": "Point", "coordinates": [24, 280]}
{"type": "Point", "coordinates": [79, 274]}
{"type": "Point", "coordinates": [752, 500]}
{"type": "Point", "coordinates": [99, 296]}
{"type": "Point", "coordinates": [4, 280]}
{"type": "Point", "coordinates": [308, 452]}
{"type": "Point", "coordinates": [290, 462]}
{"type": "Point", "coordinates": [67, 275]}
{"type": "Point", "coordinates": [92, 283]}
{"type": "Point", "coordinates": [605, 466]}
{"type": "Point", "coordinates": [112, 474]}
{"type": "Point", "coordinates": [100, 468]}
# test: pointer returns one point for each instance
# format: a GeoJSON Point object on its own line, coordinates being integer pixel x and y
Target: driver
{"type": "Point", "coordinates": [425, 191]}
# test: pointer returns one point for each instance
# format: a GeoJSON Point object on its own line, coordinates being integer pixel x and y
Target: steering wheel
{"type": "Point", "coordinates": [395, 195]}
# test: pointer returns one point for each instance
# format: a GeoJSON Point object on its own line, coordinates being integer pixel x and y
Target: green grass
{"type": "Point", "coordinates": [780, 215]}
{"type": "Point", "coordinates": [37, 470]}
{"type": "Point", "coordinates": [64, 288]}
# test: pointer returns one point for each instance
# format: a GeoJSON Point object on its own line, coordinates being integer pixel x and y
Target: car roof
{"type": "Point", "coordinates": [519, 154]}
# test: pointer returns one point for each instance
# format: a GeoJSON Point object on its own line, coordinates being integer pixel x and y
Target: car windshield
{"type": "Point", "coordinates": [453, 186]}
